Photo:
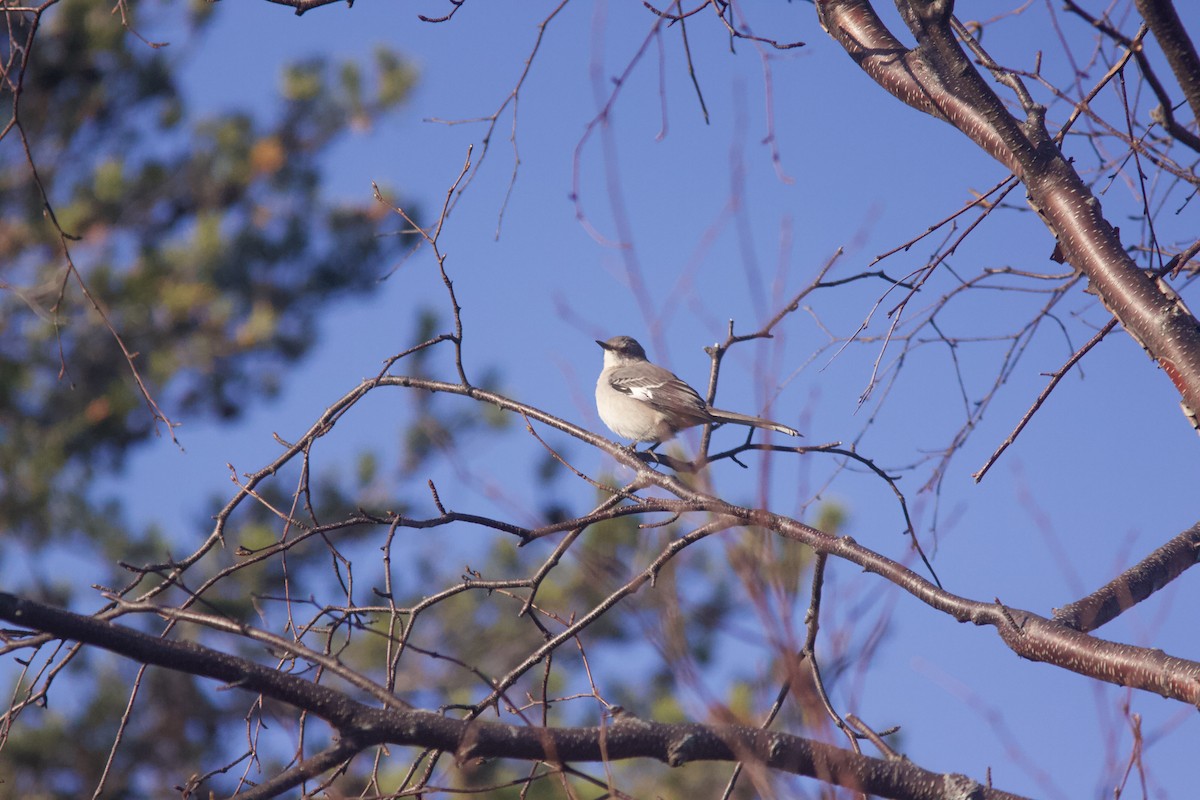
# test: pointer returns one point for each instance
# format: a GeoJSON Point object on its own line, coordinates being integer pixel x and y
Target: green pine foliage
{"type": "Point", "coordinates": [210, 247]}
{"type": "Point", "coordinates": [209, 244]}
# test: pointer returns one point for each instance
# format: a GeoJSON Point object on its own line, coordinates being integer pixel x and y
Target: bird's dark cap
{"type": "Point", "coordinates": [623, 344]}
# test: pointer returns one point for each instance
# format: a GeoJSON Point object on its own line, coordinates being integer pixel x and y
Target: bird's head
{"type": "Point", "coordinates": [622, 350]}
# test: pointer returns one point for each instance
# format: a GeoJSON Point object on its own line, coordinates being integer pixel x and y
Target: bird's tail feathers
{"type": "Point", "coordinates": [755, 422]}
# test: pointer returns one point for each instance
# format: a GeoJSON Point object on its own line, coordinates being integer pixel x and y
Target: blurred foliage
{"type": "Point", "coordinates": [212, 248]}
{"type": "Point", "coordinates": [664, 643]}
{"type": "Point", "coordinates": [208, 243]}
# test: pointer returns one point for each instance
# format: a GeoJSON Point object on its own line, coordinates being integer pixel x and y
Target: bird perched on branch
{"type": "Point", "coordinates": [644, 402]}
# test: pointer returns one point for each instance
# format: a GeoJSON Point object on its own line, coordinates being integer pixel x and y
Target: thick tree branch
{"type": "Point", "coordinates": [1134, 584]}
{"type": "Point", "coordinates": [1164, 113]}
{"type": "Point", "coordinates": [360, 726]}
{"type": "Point", "coordinates": [937, 77]}
{"type": "Point", "coordinates": [1028, 635]}
{"type": "Point", "coordinates": [1176, 45]}
{"type": "Point", "coordinates": [905, 73]}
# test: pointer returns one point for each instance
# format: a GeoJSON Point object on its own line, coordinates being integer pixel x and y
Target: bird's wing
{"type": "Point", "coordinates": [658, 388]}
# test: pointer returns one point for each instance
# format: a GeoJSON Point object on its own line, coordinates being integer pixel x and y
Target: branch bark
{"type": "Point", "coordinates": [360, 726]}
{"type": "Point", "coordinates": [938, 78]}
{"type": "Point", "coordinates": [1176, 45]}
{"type": "Point", "coordinates": [1029, 635]}
{"type": "Point", "coordinates": [1134, 584]}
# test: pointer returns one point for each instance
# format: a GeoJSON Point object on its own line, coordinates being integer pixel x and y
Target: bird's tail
{"type": "Point", "coordinates": [755, 422]}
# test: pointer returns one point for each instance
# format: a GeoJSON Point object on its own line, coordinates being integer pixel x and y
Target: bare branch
{"type": "Point", "coordinates": [1133, 585]}
{"type": "Point", "coordinates": [1178, 47]}
{"type": "Point", "coordinates": [936, 77]}
{"type": "Point", "coordinates": [360, 726]}
{"type": "Point", "coordinates": [1055, 378]}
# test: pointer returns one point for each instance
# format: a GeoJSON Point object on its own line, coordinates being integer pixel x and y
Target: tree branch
{"type": "Point", "coordinates": [1133, 585]}
{"type": "Point", "coordinates": [361, 726]}
{"type": "Point", "coordinates": [937, 77]}
{"type": "Point", "coordinates": [1176, 45]}
{"type": "Point", "coordinates": [1029, 635]}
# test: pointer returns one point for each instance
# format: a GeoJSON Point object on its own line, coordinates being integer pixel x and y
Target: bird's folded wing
{"type": "Point", "coordinates": [660, 389]}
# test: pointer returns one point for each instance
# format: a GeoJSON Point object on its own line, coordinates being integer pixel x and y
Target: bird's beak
{"type": "Point", "coordinates": [602, 344]}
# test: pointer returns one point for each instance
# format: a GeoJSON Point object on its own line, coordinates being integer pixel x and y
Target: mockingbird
{"type": "Point", "coordinates": [644, 402]}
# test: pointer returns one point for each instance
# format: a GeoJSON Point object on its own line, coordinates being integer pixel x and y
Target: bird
{"type": "Point", "coordinates": [642, 401]}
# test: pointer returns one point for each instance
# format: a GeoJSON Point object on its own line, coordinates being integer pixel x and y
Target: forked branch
{"type": "Point", "coordinates": [937, 77]}
{"type": "Point", "coordinates": [360, 726]}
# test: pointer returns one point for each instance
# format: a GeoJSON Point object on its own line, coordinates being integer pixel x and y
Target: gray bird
{"type": "Point", "coordinates": [644, 402]}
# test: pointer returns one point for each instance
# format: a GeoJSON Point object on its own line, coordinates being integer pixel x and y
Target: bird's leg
{"type": "Point", "coordinates": [642, 455]}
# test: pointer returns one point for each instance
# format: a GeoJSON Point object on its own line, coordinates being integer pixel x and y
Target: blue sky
{"type": "Point", "coordinates": [1106, 471]}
